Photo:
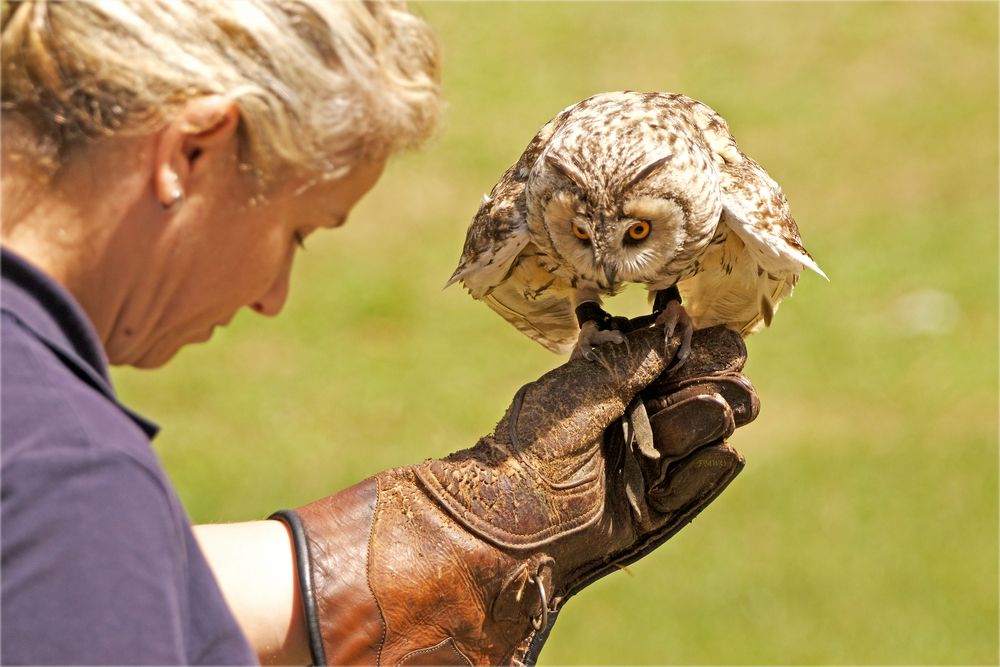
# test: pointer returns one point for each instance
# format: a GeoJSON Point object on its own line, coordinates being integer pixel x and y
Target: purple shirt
{"type": "Point", "coordinates": [99, 562]}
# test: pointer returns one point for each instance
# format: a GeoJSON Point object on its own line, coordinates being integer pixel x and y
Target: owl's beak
{"type": "Point", "coordinates": [611, 273]}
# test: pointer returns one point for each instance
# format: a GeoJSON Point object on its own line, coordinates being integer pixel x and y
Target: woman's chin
{"type": "Point", "coordinates": [161, 352]}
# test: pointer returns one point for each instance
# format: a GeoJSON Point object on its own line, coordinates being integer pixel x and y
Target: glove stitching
{"type": "Point", "coordinates": [368, 569]}
{"type": "Point", "coordinates": [430, 649]}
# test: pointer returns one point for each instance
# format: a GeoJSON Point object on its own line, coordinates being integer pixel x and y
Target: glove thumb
{"type": "Point", "coordinates": [569, 407]}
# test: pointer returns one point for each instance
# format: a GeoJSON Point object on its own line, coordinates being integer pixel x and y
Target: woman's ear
{"type": "Point", "coordinates": [205, 125]}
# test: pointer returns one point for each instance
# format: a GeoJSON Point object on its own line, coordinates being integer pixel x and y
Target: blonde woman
{"type": "Point", "coordinates": [162, 161]}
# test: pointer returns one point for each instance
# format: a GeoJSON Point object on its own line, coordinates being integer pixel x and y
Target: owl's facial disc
{"type": "Point", "coordinates": [571, 230]}
{"type": "Point", "coordinates": [605, 247]}
{"type": "Point", "coordinates": [649, 230]}
{"type": "Point", "coordinates": [621, 249]}
{"type": "Point", "coordinates": [624, 250]}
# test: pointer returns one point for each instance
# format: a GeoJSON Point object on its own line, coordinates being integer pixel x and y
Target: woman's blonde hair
{"type": "Point", "coordinates": [320, 84]}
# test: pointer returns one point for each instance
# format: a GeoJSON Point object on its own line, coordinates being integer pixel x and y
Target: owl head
{"type": "Point", "coordinates": [632, 216]}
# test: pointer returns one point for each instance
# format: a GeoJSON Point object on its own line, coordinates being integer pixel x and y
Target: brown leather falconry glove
{"type": "Point", "coordinates": [467, 559]}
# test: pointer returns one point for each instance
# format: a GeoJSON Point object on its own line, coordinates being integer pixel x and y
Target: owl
{"type": "Point", "coordinates": [631, 187]}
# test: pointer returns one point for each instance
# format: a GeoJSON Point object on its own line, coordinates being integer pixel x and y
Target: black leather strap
{"type": "Point", "coordinates": [302, 569]}
{"type": "Point", "coordinates": [665, 296]}
{"type": "Point", "coordinates": [591, 311]}
{"type": "Point", "coordinates": [538, 640]}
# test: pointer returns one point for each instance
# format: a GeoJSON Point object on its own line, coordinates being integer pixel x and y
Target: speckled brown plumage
{"type": "Point", "coordinates": [557, 229]}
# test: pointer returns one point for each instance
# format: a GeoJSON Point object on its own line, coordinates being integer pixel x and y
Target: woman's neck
{"type": "Point", "coordinates": [80, 226]}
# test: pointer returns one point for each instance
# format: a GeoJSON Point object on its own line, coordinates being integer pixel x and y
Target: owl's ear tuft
{"type": "Point", "coordinates": [566, 169]}
{"type": "Point", "coordinates": [646, 171]}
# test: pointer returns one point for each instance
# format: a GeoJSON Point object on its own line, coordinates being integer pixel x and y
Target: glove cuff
{"type": "Point", "coordinates": [332, 538]}
{"type": "Point", "coordinates": [303, 568]}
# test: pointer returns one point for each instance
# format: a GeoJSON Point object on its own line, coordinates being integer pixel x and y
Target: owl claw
{"type": "Point", "coordinates": [591, 337]}
{"type": "Point", "coordinates": [675, 320]}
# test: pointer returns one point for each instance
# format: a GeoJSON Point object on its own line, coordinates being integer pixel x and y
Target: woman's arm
{"type": "Point", "coordinates": [255, 567]}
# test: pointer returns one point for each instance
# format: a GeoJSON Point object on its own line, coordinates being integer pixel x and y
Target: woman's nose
{"type": "Point", "coordinates": [272, 301]}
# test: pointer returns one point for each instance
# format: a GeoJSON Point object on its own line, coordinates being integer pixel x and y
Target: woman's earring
{"type": "Point", "coordinates": [176, 200]}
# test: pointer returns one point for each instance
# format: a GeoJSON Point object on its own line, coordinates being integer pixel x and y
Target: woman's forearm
{"type": "Point", "coordinates": [255, 567]}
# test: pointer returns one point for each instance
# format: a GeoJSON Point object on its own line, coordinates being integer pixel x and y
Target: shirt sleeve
{"type": "Point", "coordinates": [93, 561]}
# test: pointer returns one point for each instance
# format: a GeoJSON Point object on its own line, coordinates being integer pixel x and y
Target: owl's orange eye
{"type": "Point", "coordinates": [580, 233]}
{"type": "Point", "coordinates": [639, 230]}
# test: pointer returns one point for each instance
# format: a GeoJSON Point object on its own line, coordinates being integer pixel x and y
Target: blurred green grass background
{"type": "Point", "coordinates": [864, 528]}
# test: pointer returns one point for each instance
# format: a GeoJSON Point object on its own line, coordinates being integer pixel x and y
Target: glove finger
{"type": "Point", "coordinates": [691, 423]}
{"type": "Point", "coordinates": [570, 406]}
{"type": "Point", "coordinates": [697, 479]}
{"type": "Point", "coordinates": [734, 388]}
{"type": "Point", "coordinates": [713, 351]}
{"type": "Point", "coordinates": [683, 427]}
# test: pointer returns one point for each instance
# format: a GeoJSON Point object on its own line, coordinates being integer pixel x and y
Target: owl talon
{"type": "Point", "coordinates": [591, 336]}
{"type": "Point", "coordinates": [675, 320]}
{"type": "Point", "coordinates": [638, 429]}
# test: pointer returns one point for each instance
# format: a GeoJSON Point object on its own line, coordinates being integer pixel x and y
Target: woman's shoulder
{"type": "Point", "coordinates": [48, 408]}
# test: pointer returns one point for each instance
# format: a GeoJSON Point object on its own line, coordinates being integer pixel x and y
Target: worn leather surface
{"type": "Point", "coordinates": [459, 560]}
{"type": "Point", "coordinates": [339, 528]}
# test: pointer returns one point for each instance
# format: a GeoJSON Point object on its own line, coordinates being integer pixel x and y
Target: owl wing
{"type": "Point", "coordinates": [501, 266]}
{"type": "Point", "coordinates": [755, 208]}
{"type": "Point", "coordinates": [753, 204]}
{"type": "Point", "coordinates": [744, 277]}
{"type": "Point", "coordinates": [730, 288]}
{"type": "Point", "coordinates": [537, 301]}
{"type": "Point", "coordinates": [498, 233]}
